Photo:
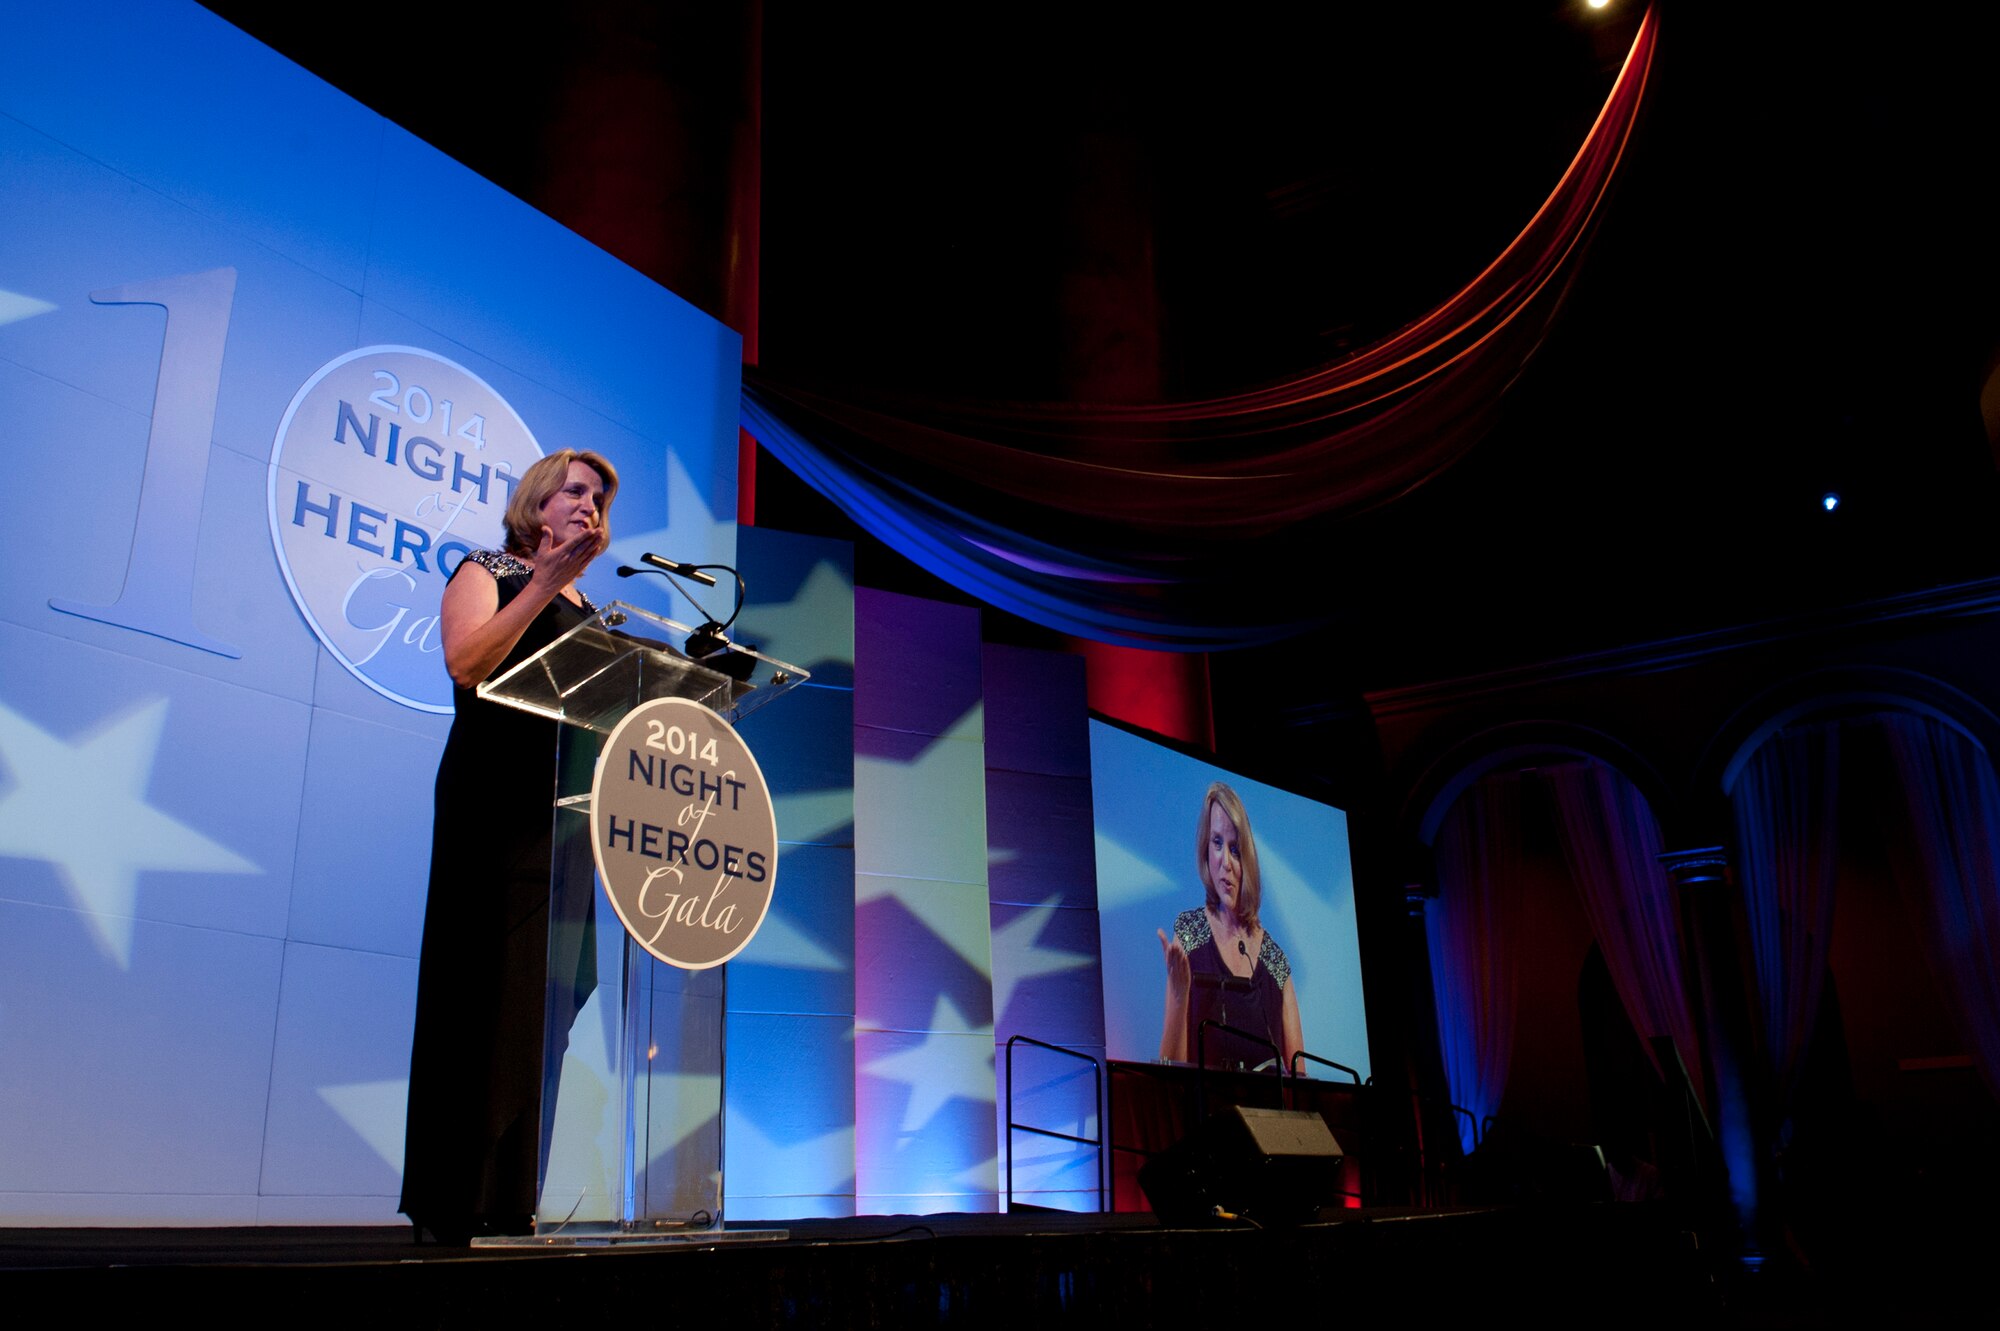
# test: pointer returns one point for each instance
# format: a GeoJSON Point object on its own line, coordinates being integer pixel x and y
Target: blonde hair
{"type": "Point", "coordinates": [1250, 889]}
{"type": "Point", "coordinates": [524, 511]}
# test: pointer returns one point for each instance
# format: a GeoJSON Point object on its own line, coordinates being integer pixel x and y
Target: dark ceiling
{"type": "Point", "coordinates": [1793, 289]}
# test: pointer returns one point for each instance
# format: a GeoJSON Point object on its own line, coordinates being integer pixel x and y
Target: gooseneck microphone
{"type": "Point", "coordinates": [678, 569]}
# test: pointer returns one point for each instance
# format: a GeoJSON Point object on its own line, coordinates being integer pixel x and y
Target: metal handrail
{"type": "Point", "coordinates": [1201, 1059]}
{"type": "Point", "coordinates": [1428, 1160]}
{"type": "Point", "coordinates": [1323, 1062]}
{"type": "Point", "coordinates": [1096, 1102]}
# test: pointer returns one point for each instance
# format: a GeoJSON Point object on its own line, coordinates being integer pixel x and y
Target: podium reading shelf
{"type": "Point", "coordinates": [632, 1124]}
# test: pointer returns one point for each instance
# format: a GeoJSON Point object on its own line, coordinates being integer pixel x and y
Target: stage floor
{"type": "Point", "coordinates": [1598, 1264]}
{"type": "Point", "coordinates": [335, 1245]}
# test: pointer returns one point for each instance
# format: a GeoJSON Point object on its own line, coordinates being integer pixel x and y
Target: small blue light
{"type": "Point", "coordinates": [1829, 501]}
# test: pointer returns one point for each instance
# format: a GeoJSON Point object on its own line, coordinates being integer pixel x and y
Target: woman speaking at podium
{"type": "Point", "coordinates": [1221, 964]}
{"type": "Point", "coordinates": [472, 1146]}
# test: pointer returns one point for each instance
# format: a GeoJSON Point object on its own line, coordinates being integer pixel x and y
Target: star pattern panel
{"type": "Point", "coordinates": [924, 1089]}
{"type": "Point", "coordinates": [789, 1144]}
{"type": "Point", "coordinates": [1043, 894]}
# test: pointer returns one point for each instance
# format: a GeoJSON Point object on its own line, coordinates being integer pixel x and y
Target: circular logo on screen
{"type": "Point", "coordinates": [391, 464]}
{"type": "Point", "coordinates": [684, 834]}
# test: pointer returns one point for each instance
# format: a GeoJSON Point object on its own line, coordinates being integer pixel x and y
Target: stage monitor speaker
{"type": "Point", "coordinates": [1273, 1166]}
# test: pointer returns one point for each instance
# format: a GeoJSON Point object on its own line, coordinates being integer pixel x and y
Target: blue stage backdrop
{"type": "Point", "coordinates": [268, 364]}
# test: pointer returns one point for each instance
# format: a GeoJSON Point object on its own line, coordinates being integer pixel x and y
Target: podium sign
{"type": "Point", "coordinates": [683, 832]}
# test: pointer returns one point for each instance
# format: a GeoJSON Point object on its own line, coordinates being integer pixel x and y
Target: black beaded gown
{"type": "Point", "coordinates": [472, 1143]}
{"type": "Point", "coordinates": [1216, 994]}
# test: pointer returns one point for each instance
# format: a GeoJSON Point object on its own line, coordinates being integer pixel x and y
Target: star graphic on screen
{"type": "Point", "coordinates": [83, 808]}
{"type": "Point", "coordinates": [1124, 876]}
{"type": "Point", "coordinates": [1017, 953]}
{"type": "Point", "coordinates": [374, 1109]}
{"type": "Point", "coordinates": [14, 307]}
{"type": "Point", "coordinates": [817, 1166]}
{"type": "Point", "coordinates": [1305, 913]}
{"type": "Point", "coordinates": [948, 1064]}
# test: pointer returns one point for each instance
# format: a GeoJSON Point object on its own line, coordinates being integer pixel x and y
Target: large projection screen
{"type": "Point", "coordinates": [1149, 798]}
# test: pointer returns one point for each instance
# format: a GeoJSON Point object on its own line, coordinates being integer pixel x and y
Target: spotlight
{"type": "Point", "coordinates": [1829, 501]}
{"type": "Point", "coordinates": [1597, 4]}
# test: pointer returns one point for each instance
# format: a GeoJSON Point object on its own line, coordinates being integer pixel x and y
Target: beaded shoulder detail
{"type": "Point", "coordinates": [1191, 931]}
{"type": "Point", "coordinates": [501, 564]}
{"type": "Point", "coordinates": [1274, 961]}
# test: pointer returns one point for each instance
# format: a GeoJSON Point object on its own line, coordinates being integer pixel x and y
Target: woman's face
{"type": "Point", "coordinates": [1225, 858]}
{"type": "Point", "coordinates": [578, 506]}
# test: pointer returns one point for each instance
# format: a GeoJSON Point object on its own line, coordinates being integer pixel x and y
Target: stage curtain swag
{"type": "Point", "coordinates": [1165, 525]}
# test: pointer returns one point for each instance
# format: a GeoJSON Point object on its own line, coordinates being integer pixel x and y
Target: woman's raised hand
{"type": "Point", "coordinates": [1177, 965]}
{"type": "Point", "coordinates": [563, 562]}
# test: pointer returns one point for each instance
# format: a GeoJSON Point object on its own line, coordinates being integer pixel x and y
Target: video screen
{"type": "Point", "coordinates": [1253, 885]}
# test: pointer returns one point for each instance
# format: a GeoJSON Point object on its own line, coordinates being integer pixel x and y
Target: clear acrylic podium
{"type": "Point", "coordinates": [632, 1058]}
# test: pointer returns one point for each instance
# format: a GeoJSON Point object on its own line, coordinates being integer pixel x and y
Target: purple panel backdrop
{"type": "Point", "coordinates": [924, 1092]}
{"type": "Point", "coordinates": [1042, 877]}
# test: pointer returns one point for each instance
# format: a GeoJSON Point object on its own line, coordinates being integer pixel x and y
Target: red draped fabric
{"type": "Point", "coordinates": [1095, 518]}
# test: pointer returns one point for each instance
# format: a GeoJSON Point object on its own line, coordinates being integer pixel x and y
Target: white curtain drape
{"type": "Point", "coordinates": [1474, 930]}
{"type": "Point", "coordinates": [1785, 807]}
{"type": "Point", "coordinates": [1611, 842]}
{"type": "Point", "coordinates": [1953, 800]}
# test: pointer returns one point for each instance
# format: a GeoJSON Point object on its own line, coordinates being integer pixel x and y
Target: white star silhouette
{"type": "Point", "coordinates": [693, 1100]}
{"type": "Point", "coordinates": [693, 535]}
{"type": "Point", "coordinates": [83, 808]}
{"type": "Point", "coordinates": [983, 1176]}
{"type": "Point", "coordinates": [949, 1063]}
{"type": "Point", "coordinates": [1020, 959]}
{"type": "Point", "coordinates": [1299, 903]}
{"type": "Point", "coordinates": [1124, 876]}
{"type": "Point", "coordinates": [818, 1166]}
{"type": "Point", "coordinates": [956, 912]}
{"type": "Point", "coordinates": [374, 1109]}
{"type": "Point", "coordinates": [694, 518]}
{"type": "Point", "coordinates": [960, 918]}
{"type": "Point", "coordinates": [14, 307]}
{"type": "Point", "coordinates": [1318, 908]}
{"type": "Point", "coordinates": [811, 816]}
{"type": "Point", "coordinates": [795, 629]}
{"type": "Point", "coordinates": [782, 943]}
